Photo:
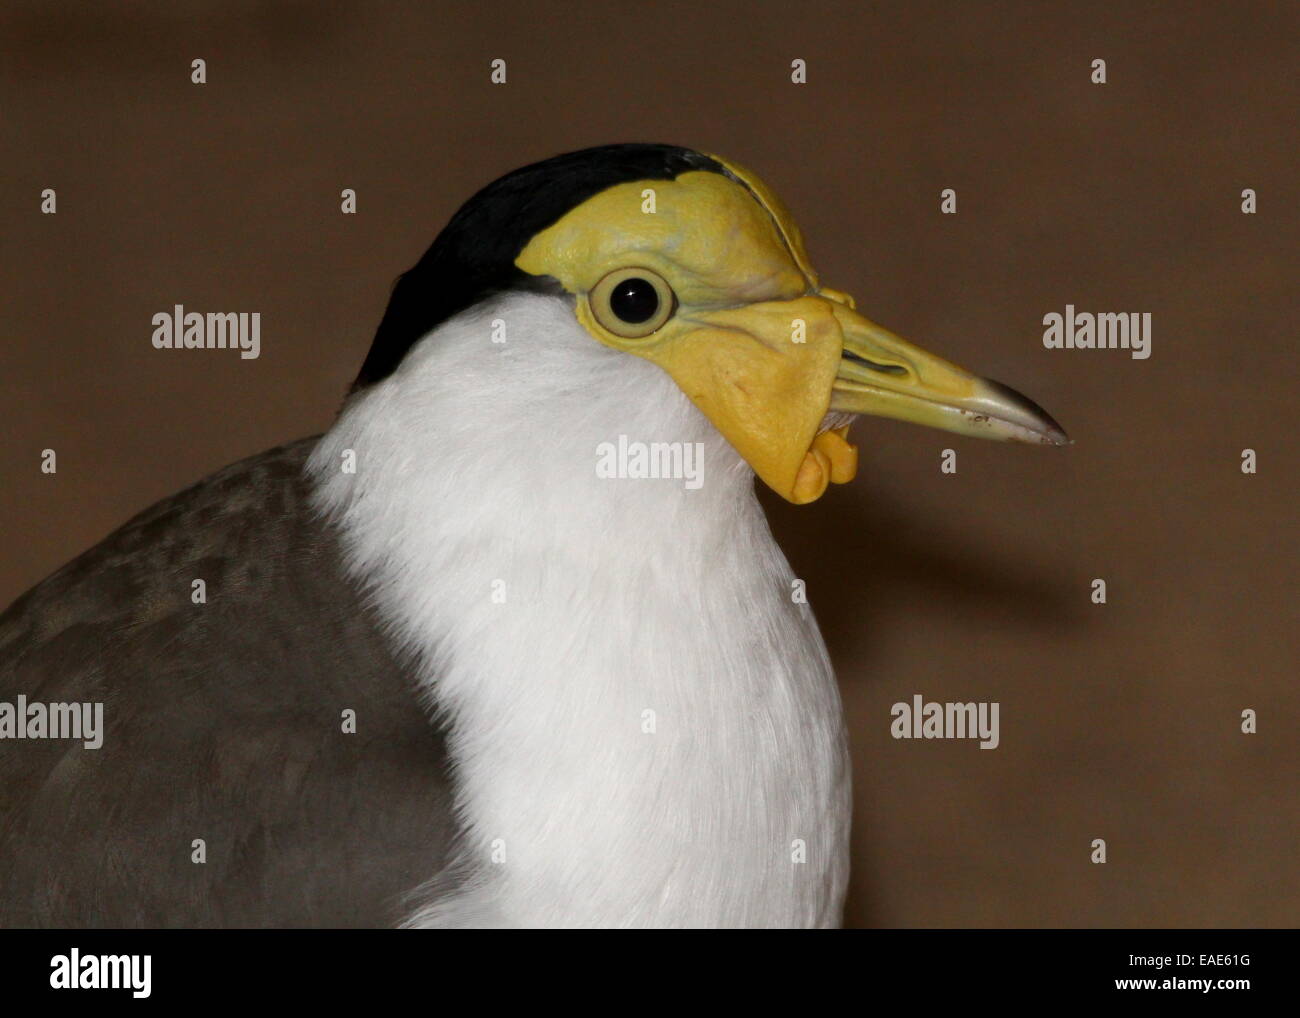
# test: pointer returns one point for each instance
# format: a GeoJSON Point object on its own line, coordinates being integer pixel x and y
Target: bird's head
{"type": "Point", "coordinates": [689, 261]}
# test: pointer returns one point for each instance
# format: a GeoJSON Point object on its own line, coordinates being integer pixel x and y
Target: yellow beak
{"type": "Point", "coordinates": [886, 376]}
{"type": "Point", "coordinates": [767, 374]}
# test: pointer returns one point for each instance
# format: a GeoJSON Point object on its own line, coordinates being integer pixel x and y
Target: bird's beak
{"type": "Point", "coordinates": [766, 375]}
{"type": "Point", "coordinates": [884, 375]}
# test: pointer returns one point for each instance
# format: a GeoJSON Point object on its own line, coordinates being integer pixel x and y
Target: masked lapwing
{"type": "Point", "coordinates": [511, 644]}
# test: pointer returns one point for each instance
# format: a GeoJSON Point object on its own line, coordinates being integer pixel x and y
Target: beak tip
{"type": "Point", "coordinates": [1056, 436]}
{"type": "Point", "coordinates": [1029, 414]}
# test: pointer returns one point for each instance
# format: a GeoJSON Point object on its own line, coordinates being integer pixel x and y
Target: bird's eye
{"type": "Point", "coordinates": [632, 302]}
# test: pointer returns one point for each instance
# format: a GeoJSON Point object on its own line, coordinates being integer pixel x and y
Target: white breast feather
{"type": "Point", "coordinates": [476, 474]}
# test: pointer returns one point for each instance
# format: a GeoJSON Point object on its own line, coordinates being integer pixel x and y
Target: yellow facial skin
{"type": "Point", "coordinates": [755, 342]}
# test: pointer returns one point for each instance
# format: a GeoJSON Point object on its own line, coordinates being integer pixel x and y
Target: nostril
{"type": "Point", "coordinates": [888, 369]}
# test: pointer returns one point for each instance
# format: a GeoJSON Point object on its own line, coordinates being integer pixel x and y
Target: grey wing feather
{"type": "Point", "coordinates": [222, 722]}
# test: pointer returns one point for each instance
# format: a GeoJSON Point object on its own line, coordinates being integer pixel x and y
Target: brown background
{"type": "Point", "coordinates": [1118, 721]}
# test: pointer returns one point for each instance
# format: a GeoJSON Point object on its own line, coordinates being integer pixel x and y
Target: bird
{"type": "Point", "coordinates": [511, 644]}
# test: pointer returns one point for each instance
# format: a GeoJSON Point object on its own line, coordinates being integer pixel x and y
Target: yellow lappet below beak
{"type": "Point", "coordinates": [747, 332]}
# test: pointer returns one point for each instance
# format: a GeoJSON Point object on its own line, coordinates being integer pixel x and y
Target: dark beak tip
{"type": "Point", "coordinates": [1056, 433]}
{"type": "Point", "coordinates": [1052, 432]}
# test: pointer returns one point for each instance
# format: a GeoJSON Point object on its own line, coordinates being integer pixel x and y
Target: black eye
{"type": "Point", "coordinates": [634, 300]}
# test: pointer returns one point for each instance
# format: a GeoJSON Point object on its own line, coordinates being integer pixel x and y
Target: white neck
{"type": "Point", "coordinates": [645, 727]}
